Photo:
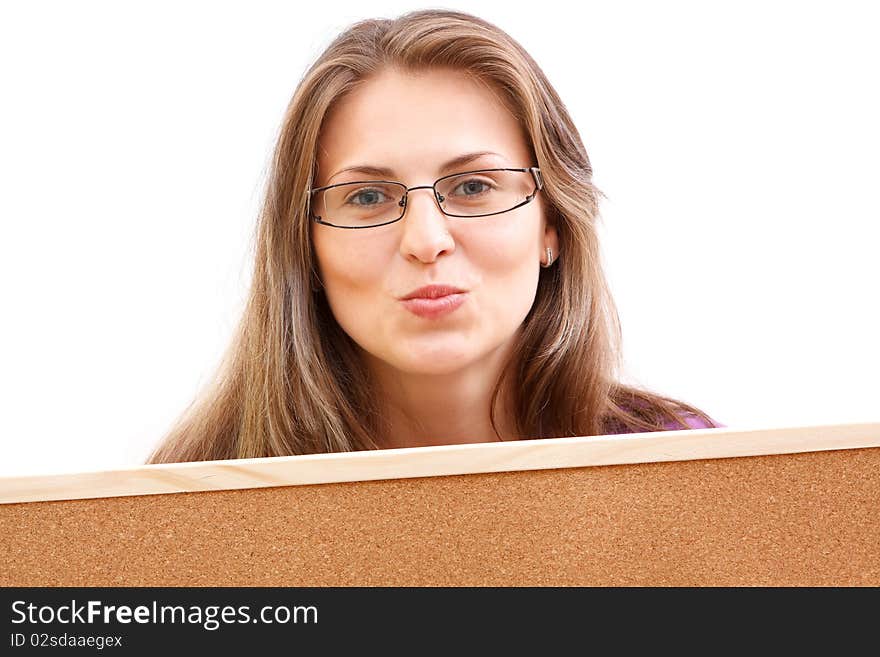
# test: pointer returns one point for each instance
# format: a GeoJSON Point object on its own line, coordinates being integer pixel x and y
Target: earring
{"type": "Point", "coordinates": [549, 258]}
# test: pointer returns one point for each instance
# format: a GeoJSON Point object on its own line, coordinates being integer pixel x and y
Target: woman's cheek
{"type": "Point", "coordinates": [360, 301]}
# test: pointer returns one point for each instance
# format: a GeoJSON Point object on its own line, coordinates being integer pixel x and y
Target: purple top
{"type": "Point", "coordinates": [690, 419]}
{"type": "Point", "coordinates": [694, 423]}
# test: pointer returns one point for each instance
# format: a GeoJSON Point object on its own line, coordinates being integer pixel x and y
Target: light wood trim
{"type": "Point", "coordinates": [539, 454]}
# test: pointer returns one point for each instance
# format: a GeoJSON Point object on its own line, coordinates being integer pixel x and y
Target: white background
{"type": "Point", "coordinates": [737, 143]}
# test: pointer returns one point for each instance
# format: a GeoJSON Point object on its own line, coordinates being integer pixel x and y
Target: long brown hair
{"type": "Point", "coordinates": [291, 381]}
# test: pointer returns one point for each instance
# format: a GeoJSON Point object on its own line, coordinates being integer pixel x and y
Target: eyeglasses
{"type": "Point", "coordinates": [371, 203]}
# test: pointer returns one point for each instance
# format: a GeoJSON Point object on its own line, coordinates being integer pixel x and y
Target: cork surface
{"type": "Point", "coordinates": [807, 519]}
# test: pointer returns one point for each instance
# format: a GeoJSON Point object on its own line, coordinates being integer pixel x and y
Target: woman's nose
{"type": "Point", "coordinates": [424, 225]}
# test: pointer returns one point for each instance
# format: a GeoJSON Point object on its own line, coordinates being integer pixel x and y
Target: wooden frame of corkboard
{"type": "Point", "coordinates": [791, 506]}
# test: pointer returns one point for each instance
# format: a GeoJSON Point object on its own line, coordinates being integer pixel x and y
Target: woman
{"type": "Point", "coordinates": [428, 150]}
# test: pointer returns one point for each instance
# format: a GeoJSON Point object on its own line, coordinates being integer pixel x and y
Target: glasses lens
{"type": "Point", "coordinates": [360, 204]}
{"type": "Point", "coordinates": [468, 194]}
{"type": "Point", "coordinates": [484, 192]}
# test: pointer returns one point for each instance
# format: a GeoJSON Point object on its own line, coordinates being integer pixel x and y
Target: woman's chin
{"type": "Point", "coordinates": [436, 361]}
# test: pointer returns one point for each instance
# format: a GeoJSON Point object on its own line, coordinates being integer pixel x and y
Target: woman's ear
{"type": "Point", "coordinates": [551, 238]}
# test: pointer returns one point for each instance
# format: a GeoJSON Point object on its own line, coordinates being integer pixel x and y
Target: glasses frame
{"type": "Point", "coordinates": [535, 171]}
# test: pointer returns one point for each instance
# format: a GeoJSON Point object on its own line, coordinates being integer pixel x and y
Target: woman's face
{"type": "Point", "coordinates": [413, 124]}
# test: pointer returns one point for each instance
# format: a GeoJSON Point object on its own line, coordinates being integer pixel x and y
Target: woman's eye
{"type": "Point", "coordinates": [474, 187]}
{"type": "Point", "coordinates": [368, 193]}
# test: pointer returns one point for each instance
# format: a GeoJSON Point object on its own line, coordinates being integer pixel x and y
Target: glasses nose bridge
{"type": "Point", "coordinates": [436, 195]}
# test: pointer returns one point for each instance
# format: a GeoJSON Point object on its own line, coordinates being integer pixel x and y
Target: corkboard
{"type": "Point", "coordinates": [664, 515]}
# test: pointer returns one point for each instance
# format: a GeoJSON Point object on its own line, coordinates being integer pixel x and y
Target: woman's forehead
{"type": "Point", "coordinates": [405, 124]}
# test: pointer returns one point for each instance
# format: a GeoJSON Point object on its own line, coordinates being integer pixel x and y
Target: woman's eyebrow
{"type": "Point", "coordinates": [454, 163]}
